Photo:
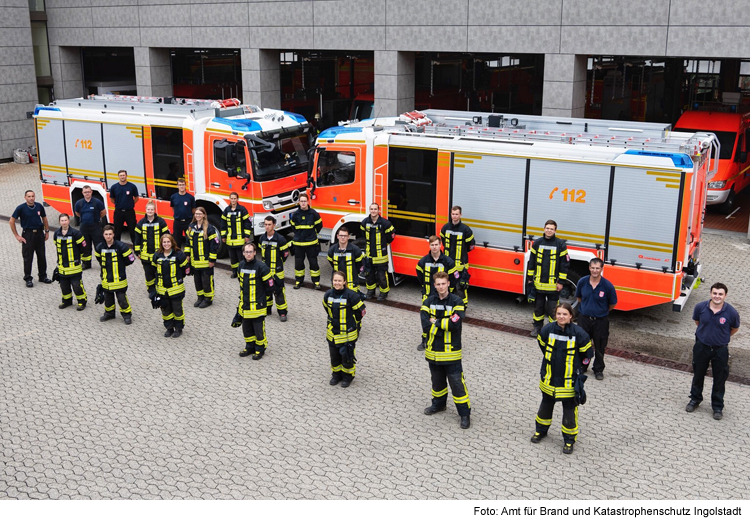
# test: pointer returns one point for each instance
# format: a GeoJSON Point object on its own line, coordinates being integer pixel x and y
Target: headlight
{"type": "Point", "coordinates": [719, 184]}
{"type": "Point", "coordinates": [267, 205]}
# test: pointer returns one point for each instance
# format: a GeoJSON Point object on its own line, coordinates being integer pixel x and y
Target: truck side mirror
{"type": "Point", "coordinates": [310, 162]}
{"type": "Point", "coordinates": [743, 157]}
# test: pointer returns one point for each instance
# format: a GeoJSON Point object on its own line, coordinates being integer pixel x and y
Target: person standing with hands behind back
{"type": "Point", "coordinates": [548, 268]}
{"type": "Point", "coordinates": [202, 244]}
{"type": "Point", "coordinates": [183, 205]}
{"type": "Point", "coordinates": [124, 195]}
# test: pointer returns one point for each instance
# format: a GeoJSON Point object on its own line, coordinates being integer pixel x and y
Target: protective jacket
{"type": "Point", "coordinates": [348, 261]}
{"type": "Point", "coordinates": [69, 251]}
{"type": "Point", "coordinates": [427, 267]}
{"type": "Point", "coordinates": [548, 263]}
{"type": "Point", "coordinates": [170, 272]}
{"type": "Point", "coordinates": [345, 311]}
{"type": "Point", "coordinates": [274, 252]}
{"type": "Point", "coordinates": [256, 279]}
{"type": "Point", "coordinates": [202, 247]}
{"type": "Point", "coordinates": [444, 335]}
{"type": "Point", "coordinates": [148, 236]}
{"type": "Point", "coordinates": [563, 353]}
{"type": "Point", "coordinates": [235, 225]}
{"type": "Point", "coordinates": [307, 225]}
{"type": "Point", "coordinates": [458, 240]}
{"type": "Point", "coordinates": [378, 235]}
{"type": "Point", "coordinates": [113, 260]}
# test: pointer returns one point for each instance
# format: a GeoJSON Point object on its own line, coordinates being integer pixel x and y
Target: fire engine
{"type": "Point", "coordinates": [217, 146]}
{"type": "Point", "coordinates": [632, 194]}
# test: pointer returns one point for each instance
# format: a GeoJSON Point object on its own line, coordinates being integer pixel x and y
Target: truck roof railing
{"type": "Point", "coordinates": [164, 106]}
{"type": "Point", "coordinates": [208, 103]}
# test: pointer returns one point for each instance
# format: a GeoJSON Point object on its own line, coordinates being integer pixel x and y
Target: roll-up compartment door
{"type": "Point", "coordinates": [575, 195]}
{"type": "Point", "coordinates": [490, 190]}
{"type": "Point", "coordinates": [51, 137]}
{"type": "Point", "coordinates": [83, 145]}
{"type": "Point", "coordinates": [123, 150]}
{"type": "Point", "coordinates": [645, 206]}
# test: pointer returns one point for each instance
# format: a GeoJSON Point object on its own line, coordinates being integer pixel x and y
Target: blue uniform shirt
{"type": "Point", "coordinates": [123, 195]}
{"type": "Point", "coordinates": [714, 328]}
{"type": "Point", "coordinates": [90, 211]}
{"type": "Point", "coordinates": [31, 217]}
{"type": "Point", "coordinates": [595, 302]}
{"type": "Point", "coordinates": [183, 205]}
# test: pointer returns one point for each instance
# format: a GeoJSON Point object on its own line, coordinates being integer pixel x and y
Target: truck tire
{"type": "Point", "coordinates": [728, 205]}
{"type": "Point", "coordinates": [215, 220]}
{"type": "Point", "coordinates": [568, 292]}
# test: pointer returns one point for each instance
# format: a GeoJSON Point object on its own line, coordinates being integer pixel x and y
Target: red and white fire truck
{"type": "Point", "coordinates": [632, 194]}
{"type": "Point", "coordinates": [217, 146]}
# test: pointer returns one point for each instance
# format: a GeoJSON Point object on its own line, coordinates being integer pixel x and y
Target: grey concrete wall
{"type": "Point", "coordinates": [18, 93]}
{"type": "Point", "coordinates": [153, 71]}
{"type": "Point", "coordinates": [261, 82]}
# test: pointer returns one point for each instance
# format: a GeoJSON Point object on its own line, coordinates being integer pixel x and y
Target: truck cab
{"type": "Point", "coordinates": [733, 173]}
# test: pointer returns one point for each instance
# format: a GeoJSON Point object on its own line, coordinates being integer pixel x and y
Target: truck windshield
{"type": "Point", "coordinates": [289, 157]}
{"type": "Point", "coordinates": [726, 139]}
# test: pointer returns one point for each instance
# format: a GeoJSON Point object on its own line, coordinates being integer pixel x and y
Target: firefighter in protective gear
{"type": "Point", "coordinates": [70, 245]}
{"type": "Point", "coordinates": [566, 349]}
{"type": "Point", "coordinates": [202, 244]}
{"type": "Point", "coordinates": [114, 256]}
{"type": "Point", "coordinates": [307, 224]}
{"type": "Point", "coordinates": [148, 233]}
{"type": "Point", "coordinates": [346, 258]}
{"type": "Point", "coordinates": [379, 233]}
{"type": "Point", "coordinates": [274, 250]}
{"type": "Point", "coordinates": [458, 240]}
{"type": "Point", "coordinates": [547, 271]}
{"type": "Point", "coordinates": [442, 314]}
{"type": "Point", "coordinates": [345, 311]}
{"type": "Point", "coordinates": [235, 230]}
{"type": "Point", "coordinates": [170, 264]}
{"type": "Point", "coordinates": [256, 280]}
{"type": "Point", "coordinates": [435, 261]}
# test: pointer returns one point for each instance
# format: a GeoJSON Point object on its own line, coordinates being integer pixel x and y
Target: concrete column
{"type": "Point", "coordinates": [153, 72]}
{"type": "Point", "coordinates": [261, 79]}
{"type": "Point", "coordinates": [394, 83]}
{"type": "Point", "coordinates": [564, 85]}
{"type": "Point", "coordinates": [67, 72]}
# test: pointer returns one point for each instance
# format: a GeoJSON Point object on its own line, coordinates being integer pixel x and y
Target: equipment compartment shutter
{"type": "Point", "coordinates": [123, 149]}
{"type": "Point", "coordinates": [575, 195]}
{"type": "Point", "coordinates": [52, 163]}
{"type": "Point", "coordinates": [83, 144]}
{"type": "Point", "coordinates": [490, 189]}
{"type": "Point", "coordinates": [645, 204]}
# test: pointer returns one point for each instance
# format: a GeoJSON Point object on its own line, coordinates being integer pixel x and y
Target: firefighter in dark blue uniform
{"type": "Point", "coordinates": [183, 206]}
{"type": "Point", "coordinates": [379, 233]}
{"type": "Point", "coordinates": [113, 256]}
{"type": "Point", "coordinates": [347, 258]}
{"type": "Point", "coordinates": [345, 311]}
{"type": "Point", "coordinates": [35, 232]}
{"type": "Point", "coordinates": [170, 264]}
{"type": "Point", "coordinates": [307, 224]}
{"type": "Point", "coordinates": [442, 314]}
{"type": "Point", "coordinates": [546, 272]}
{"type": "Point", "coordinates": [90, 212]}
{"type": "Point", "coordinates": [235, 230]}
{"type": "Point", "coordinates": [148, 233]}
{"type": "Point", "coordinates": [256, 280]}
{"type": "Point", "coordinates": [274, 250]}
{"type": "Point", "coordinates": [70, 245]}
{"type": "Point", "coordinates": [566, 349]}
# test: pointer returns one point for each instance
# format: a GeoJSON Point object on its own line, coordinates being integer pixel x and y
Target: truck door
{"type": "Point", "coordinates": [50, 136]}
{"type": "Point", "coordinates": [339, 179]}
{"type": "Point", "coordinates": [123, 150]}
{"type": "Point", "coordinates": [226, 162]}
{"type": "Point", "coordinates": [83, 145]}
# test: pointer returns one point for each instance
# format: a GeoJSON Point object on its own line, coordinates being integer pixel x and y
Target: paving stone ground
{"type": "Point", "coordinates": [102, 410]}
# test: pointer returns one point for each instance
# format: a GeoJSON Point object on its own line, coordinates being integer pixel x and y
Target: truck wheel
{"type": "Point", "coordinates": [568, 292]}
{"type": "Point", "coordinates": [728, 205]}
{"type": "Point", "coordinates": [215, 220]}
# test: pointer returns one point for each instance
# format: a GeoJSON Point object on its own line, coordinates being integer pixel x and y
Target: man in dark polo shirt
{"type": "Point", "coordinates": [183, 204]}
{"type": "Point", "coordinates": [35, 231]}
{"type": "Point", "coordinates": [124, 195]}
{"type": "Point", "coordinates": [90, 211]}
{"type": "Point", "coordinates": [596, 298]}
{"type": "Point", "coordinates": [717, 322]}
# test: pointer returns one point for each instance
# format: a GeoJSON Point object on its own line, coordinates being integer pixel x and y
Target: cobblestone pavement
{"type": "Point", "coordinates": [103, 410]}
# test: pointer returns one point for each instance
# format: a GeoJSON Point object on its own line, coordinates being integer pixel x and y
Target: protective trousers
{"type": "Point", "coordinates": [598, 330]}
{"type": "Point", "coordinates": [235, 256]}
{"type": "Point", "coordinates": [311, 252]}
{"type": "Point", "coordinates": [149, 271]}
{"type": "Point", "coordinates": [341, 370]}
{"type": "Point", "coordinates": [34, 244]}
{"type": "Point", "coordinates": [718, 358]}
{"type": "Point", "coordinates": [122, 300]}
{"type": "Point", "coordinates": [444, 374]}
{"type": "Point", "coordinates": [545, 304]}
{"type": "Point", "coordinates": [179, 232]}
{"type": "Point", "coordinates": [204, 282]}
{"type": "Point", "coordinates": [92, 234]}
{"type": "Point", "coordinates": [122, 217]}
{"type": "Point", "coordinates": [70, 284]}
{"type": "Point", "coordinates": [278, 293]}
{"type": "Point", "coordinates": [569, 421]}
{"type": "Point", "coordinates": [172, 312]}
{"type": "Point", "coordinates": [254, 332]}
{"type": "Point", "coordinates": [377, 275]}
